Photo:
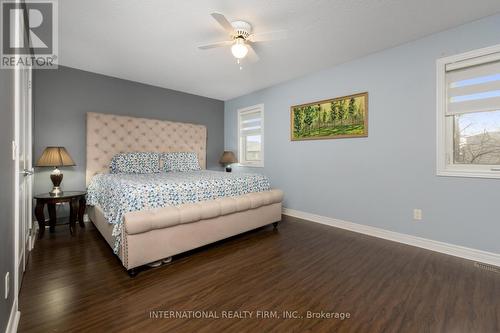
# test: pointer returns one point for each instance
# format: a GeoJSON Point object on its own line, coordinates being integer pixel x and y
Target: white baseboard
{"type": "Point", "coordinates": [15, 315]}
{"type": "Point", "coordinates": [450, 249]}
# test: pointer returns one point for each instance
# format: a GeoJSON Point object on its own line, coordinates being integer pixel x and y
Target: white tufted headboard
{"type": "Point", "coordinates": [108, 135]}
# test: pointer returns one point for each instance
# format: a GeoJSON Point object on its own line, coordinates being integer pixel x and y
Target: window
{"type": "Point", "coordinates": [251, 136]}
{"type": "Point", "coordinates": [469, 114]}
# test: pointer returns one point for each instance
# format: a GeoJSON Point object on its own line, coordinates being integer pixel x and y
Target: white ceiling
{"type": "Point", "coordinates": [155, 41]}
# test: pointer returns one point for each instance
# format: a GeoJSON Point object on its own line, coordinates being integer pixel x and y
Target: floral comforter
{"type": "Point", "coordinates": [120, 193]}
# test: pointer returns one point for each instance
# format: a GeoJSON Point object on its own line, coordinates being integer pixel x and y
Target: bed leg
{"type": "Point", "coordinates": [132, 272]}
{"type": "Point", "coordinates": [275, 225]}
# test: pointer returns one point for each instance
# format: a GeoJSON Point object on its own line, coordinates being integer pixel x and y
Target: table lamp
{"type": "Point", "coordinates": [55, 157]}
{"type": "Point", "coordinates": [227, 159]}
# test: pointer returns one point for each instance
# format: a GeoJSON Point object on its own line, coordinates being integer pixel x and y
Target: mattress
{"type": "Point", "coordinates": [118, 194]}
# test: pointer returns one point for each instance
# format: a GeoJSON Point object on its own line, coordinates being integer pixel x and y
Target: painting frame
{"type": "Point", "coordinates": [364, 95]}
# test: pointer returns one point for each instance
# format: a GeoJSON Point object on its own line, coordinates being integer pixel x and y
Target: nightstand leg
{"type": "Point", "coordinates": [82, 204]}
{"type": "Point", "coordinates": [40, 218]}
{"type": "Point", "coordinates": [52, 216]}
{"type": "Point", "coordinates": [73, 211]}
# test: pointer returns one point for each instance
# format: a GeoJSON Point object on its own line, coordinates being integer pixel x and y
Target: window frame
{"type": "Point", "coordinates": [445, 162]}
{"type": "Point", "coordinates": [241, 152]}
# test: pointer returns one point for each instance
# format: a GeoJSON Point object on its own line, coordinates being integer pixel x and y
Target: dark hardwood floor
{"type": "Point", "coordinates": [75, 284]}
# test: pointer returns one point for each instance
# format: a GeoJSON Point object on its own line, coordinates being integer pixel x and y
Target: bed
{"type": "Point", "coordinates": [149, 217]}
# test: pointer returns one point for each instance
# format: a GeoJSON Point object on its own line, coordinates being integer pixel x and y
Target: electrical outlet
{"type": "Point", "coordinates": [7, 284]}
{"type": "Point", "coordinates": [417, 214]}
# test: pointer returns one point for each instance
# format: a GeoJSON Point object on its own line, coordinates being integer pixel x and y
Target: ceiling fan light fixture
{"type": "Point", "coordinates": [241, 38]}
{"type": "Point", "coordinates": [239, 49]}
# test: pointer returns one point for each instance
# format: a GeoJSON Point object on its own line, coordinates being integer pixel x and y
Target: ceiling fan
{"type": "Point", "coordinates": [241, 38]}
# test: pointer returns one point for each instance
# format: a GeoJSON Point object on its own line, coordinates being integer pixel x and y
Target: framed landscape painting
{"type": "Point", "coordinates": [341, 117]}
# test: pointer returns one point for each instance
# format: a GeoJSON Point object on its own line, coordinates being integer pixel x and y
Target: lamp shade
{"type": "Point", "coordinates": [55, 157]}
{"type": "Point", "coordinates": [228, 158]}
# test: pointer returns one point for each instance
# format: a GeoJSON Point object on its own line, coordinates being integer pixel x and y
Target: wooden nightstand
{"type": "Point", "coordinates": [77, 203]}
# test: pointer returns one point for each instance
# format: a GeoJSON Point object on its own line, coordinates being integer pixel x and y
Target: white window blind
{"type": "Point", "coordinates": [251, 123]}
{"type": "Point", "coordinates": [473, 89]}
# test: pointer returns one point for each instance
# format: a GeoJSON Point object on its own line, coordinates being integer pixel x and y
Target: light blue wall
{"type": "Point", "coordinates": [378, 180]}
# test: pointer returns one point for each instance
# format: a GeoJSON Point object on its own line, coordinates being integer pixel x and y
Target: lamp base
{"type": "Point", "coordinates": [56, 176]}
{"type": "Point", "coordinates": [56, 191]}
{"type": "Point", "coordinates": [229, 169]}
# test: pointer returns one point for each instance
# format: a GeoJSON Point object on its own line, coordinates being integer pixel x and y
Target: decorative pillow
{"type": "Point", "coordinates": [183, 161]}
{"type": "Point", "coordinates": [139, 162]}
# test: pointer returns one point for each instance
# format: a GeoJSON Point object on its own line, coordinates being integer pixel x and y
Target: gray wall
{"type": "Point", "coordinates": [378, 180]}
{"type": "Point", "coordinates": [62, 98]}
{"type": "Point", "coordinates": [6, 194]}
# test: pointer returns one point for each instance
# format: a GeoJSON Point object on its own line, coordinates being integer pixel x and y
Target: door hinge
{"type": "Point", "coordinates": [14, 150]}
{"type": "Point", "coordinates": [29, 84]}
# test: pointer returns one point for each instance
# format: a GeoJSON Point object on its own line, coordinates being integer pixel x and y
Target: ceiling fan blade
{"type": "Point", "coordinates": [216, 44]}
{"type": "Point", "coordinates": [268, 36]}
{"type": "Point", "coordinates": [222, 20]}
{"type": "Point", "coordinates": [252, 55]}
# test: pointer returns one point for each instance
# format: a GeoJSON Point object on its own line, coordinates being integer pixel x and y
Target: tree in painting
{"type": "Point", "coordinates": [340, 117]}
{"type": "Point", "coordinates": [298, 117]}
{"type": "Point", "coordinates": [333, 112]}
{"type": "Point", "coordinates": [308, 118]}
{"type": "Point", "coordinates": [351, 108]}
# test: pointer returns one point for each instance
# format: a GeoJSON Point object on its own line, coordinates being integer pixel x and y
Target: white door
{"type": "Point", "coordinates": [23, 152]}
